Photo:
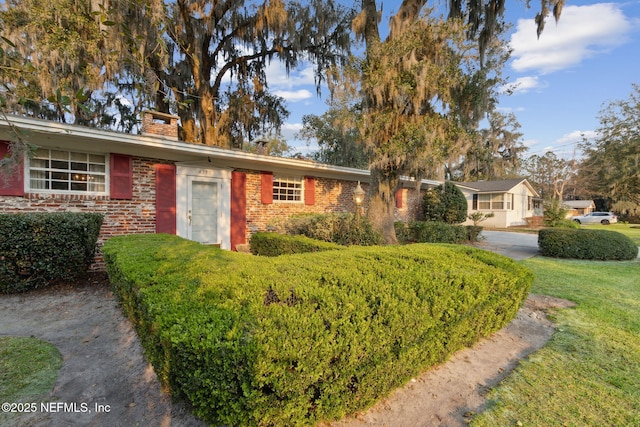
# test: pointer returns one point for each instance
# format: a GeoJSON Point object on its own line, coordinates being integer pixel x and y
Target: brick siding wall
{"type": "Point", "coordinates": [331, 195]}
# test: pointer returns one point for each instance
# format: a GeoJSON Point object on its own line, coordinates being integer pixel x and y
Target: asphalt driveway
{"type": "Point", "coordinates": [515, 245]}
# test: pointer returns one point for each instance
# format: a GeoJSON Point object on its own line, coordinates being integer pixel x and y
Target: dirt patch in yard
{"type": "Point", "coordinates": [105, 380]}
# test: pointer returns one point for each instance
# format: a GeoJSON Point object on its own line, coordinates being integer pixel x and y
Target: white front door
{"type": "Point", "coordinates": [203, 203]}
{"type": "Point", "coordinates": [203, 210]}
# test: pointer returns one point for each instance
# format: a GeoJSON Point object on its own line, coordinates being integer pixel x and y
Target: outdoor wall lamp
{"type": "Point", "coordinates": [358, 198]}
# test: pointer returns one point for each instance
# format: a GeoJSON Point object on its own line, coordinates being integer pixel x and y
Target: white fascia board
{"type": "Point", "coordinates": [81, 137]}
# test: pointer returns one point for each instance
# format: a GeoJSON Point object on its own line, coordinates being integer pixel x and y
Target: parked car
{"type": "Point", "coordinates": [596, 217]}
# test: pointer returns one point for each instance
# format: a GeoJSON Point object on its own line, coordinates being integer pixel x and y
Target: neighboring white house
{"type": "Point", "coordinates": [512, 201]}
{"type": "Point", "coordinates": [578, 207]}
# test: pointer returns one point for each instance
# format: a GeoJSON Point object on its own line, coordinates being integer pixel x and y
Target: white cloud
{"type": "Point", "coordinates": [576, 136]}
{"type": "Point", "coordinates": [277, 76]}
{"type": "Point", "coordinates": [294, 95]}
{"type": "Point", "coordinates": [524, 85]}
{"type": "Point", "coordinates": [582, 32]}
{"type": "Point", "coordinates": [289, 130]}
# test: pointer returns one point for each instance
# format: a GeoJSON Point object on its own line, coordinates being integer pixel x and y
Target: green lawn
{"type": "Point", "coordinates": [630, 230]}
{"type": "Point", "coordinates": [588, 374]}
{"type": "Point", "coordinates": [28, 368]}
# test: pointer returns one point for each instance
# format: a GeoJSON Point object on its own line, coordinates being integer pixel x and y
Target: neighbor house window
{"type": "Point", "coordinates": [66, 171]}
{"type": "Point", "coordinates": [287, 189]}
{"type": "Point", "coordinates": [484, 201]}
{"type": "Point", "coordinates": [494, 201]}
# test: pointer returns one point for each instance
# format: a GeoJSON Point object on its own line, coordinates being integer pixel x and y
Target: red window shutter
{"type": "Point", "coordinates": [166, 199]}
{"type": "Point", "coordinates": [238, 209]}
{"type": "Point", "coordinates": [121, 177]}
{"type": "Point", "coordinates": [13, 183]}
{"type": "Point", "coordinates": [309, 190]}
{"type": "Point", "coordinates": [399, 198]}
{"type": "Point", "coordinates": [266, 187]}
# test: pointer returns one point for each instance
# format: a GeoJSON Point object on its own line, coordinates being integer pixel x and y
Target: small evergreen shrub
{"type": "Point", "coordinates": [473, 232]}
{"type": "Point", "coordinates": [445, 203]}
{"type": "Point", "coordinates": [430, 232]}
{"type": "Point", "coordinates": [276, 244]}
{"type": "Point", "coordinates": [38, 249]}
{"type": "Point", "coordinates": [586, 244]}
{"type": "Point", "coordinates": [298, 339]}
{"type": "Point", "coordinates": [342, 228]}
{"type": "Point", "coordinates": [556, 216]}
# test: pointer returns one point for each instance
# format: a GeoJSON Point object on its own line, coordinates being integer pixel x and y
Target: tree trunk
{"type": "Point", "coordinates": [382, 203]}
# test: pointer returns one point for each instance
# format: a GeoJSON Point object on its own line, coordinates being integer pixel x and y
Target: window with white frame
{"type": "Point", "coordinates": [495, 201]}
{"type": "Point", "coordinates": [484, 201]}
{"type": "Point", "coordinates": [67, 171]}
{"type": "Point", "coordinates": [287, 189]}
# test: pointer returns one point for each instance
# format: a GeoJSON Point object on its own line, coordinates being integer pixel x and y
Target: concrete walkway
{"type": "Point", "coordinates": [515, 245]}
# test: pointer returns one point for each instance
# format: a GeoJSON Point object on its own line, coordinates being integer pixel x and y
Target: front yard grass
{"type": "Point", "coordinates": [589, 372]}
{"type": "Point", "coordinates": [28, 368]}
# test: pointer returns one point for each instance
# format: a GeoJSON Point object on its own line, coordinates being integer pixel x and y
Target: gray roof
{"type": "Point", "coordinates": [578, 204]}
{"type": "Point", "coordinates": [492, 186]}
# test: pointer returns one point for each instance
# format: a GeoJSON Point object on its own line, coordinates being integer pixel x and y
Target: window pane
{"type": "Point", "coordinates": [67, 171]}
{"type": "Point", "coordinates": [59, 155]}
{"type": "Point", "coordinates": [287, 189]}
{"type": "Point", "coordinates": [96, 168]}
{"type": "Point", "coordinates": [79, 186]}
{"type": "Point", "coordinates": [42, 152]}
{"type": "Point", "coordinates": [80, 157]}
{"type": "Point", "coordinates": [39, 163]}
{"type": "Point", "coordinates": [59, 185]}
{"type": "Point", "coordinates": [75, 166]}
{"type": "Point", "coordinates": [484, 201]}
{"type": "Point", "coordinates": [57, 164]}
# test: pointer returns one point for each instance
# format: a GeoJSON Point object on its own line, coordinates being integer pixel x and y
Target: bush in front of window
{"type": "Point", "coordinates": [300, 339]}
{"type": "Point", "coordinates": [430, 232]}
{"type": "Point", "coordinates": [39, 249]}
{"type": "Point", "coordinates": [601, 245]}
{"type": "Point", "coordinates": [341, 228]}
{"type": "Point", "coordinates": [445, 203]}
{"type": "Point", "coordinates": [276, 244]}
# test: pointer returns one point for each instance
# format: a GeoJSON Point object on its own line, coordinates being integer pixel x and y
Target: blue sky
{"type": "Point", "coordinates": [563, 79]}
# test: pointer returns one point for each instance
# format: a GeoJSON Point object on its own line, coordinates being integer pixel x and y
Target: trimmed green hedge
{"type": "Point", "coordinates": [340, 228]}
{"type": "Point", "coordinates": [430, 232]}
{"type": "Point", "coordinates": [297, 339]}
{"type": "Point", "coordinates": [586, 244]}
{"type": "Point", "coordinates": [38, 249]}
{"type": "Point", "coordinates": [276, 244]}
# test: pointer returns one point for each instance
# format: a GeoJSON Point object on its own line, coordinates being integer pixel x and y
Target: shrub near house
{"type": "Point", "coordinates": [296, 339]}
{"type": "Point", "coordinates": [38, 249]}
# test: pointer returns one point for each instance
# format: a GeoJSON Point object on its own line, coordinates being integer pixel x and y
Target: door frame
{"type": "Point", "coordinates": [185, 175]}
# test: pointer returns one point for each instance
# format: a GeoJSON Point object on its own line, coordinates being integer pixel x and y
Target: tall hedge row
{"type": "Point", "coordinates": [37, 249]}
{"type": "Point", "coordinates": [296, 339]}
{"type": "Point", "coordinates": [586, 244]}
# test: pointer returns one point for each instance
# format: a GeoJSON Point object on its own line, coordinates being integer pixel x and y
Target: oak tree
{"type": "Point", "coordinates": [409, 83]}
{"type": "Point", "coordinates": [611, 167]}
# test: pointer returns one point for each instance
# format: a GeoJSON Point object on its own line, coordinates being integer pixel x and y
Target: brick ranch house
{"type": "Point", "coordinates": [153, 183]}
